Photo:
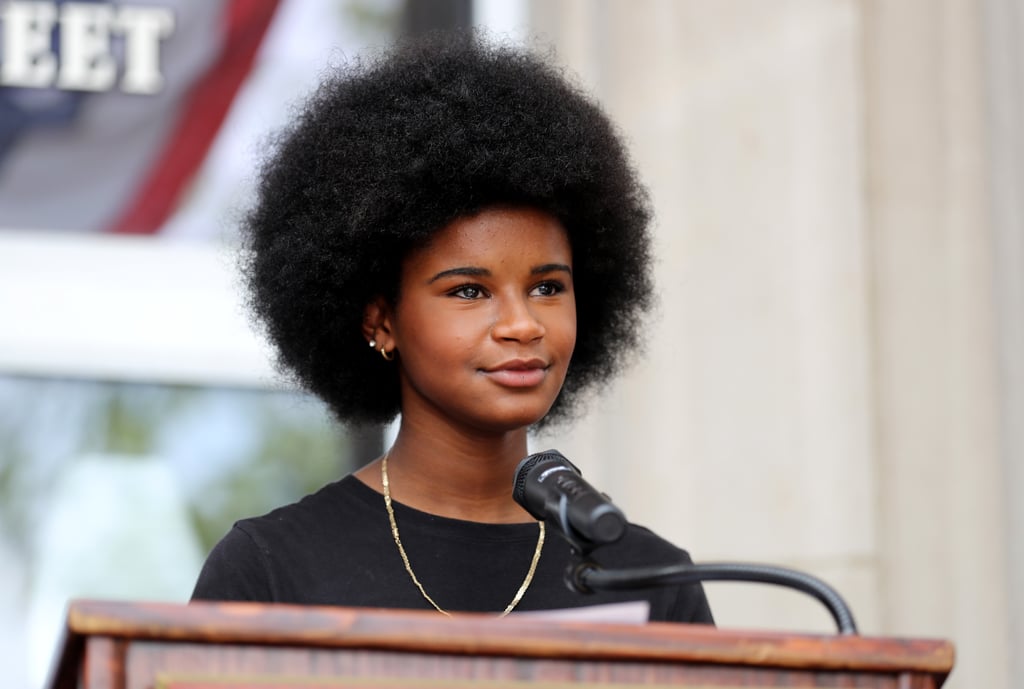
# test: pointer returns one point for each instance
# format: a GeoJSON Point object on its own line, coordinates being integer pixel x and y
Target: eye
{"type": "Point", "coordinates": [468, 292]}
{"type": "Point", "coordinates": [548, 288]}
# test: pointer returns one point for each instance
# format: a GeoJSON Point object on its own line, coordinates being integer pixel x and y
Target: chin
{"type": "Point", "coordinates": [517, 419]}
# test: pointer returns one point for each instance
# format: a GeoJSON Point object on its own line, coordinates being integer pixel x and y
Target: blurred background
{"type": "Point", "coordinates": [834, 379]}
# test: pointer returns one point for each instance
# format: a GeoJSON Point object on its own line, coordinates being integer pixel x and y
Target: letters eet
{"type": "Point", "coordinates": [86, 34]}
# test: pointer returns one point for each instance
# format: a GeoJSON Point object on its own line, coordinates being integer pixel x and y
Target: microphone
{"type": "Point", "coordinates": [550, 488]}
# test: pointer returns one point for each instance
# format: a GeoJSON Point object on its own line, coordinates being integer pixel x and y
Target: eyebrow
{"type": "Point", "coordinates": [473, 271]}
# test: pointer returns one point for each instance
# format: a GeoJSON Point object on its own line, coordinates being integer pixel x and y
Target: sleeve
{"type": "Point", "coordinates": [235, 570]}
{"type": "Point", "coordinates": [692, 606]}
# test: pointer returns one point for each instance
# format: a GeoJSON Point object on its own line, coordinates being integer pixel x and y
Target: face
{"type": "Point", "coordinates": [485, 322]}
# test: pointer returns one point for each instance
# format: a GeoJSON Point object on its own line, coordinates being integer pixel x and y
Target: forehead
{"type": "Point", "coordinates": [495, 236]}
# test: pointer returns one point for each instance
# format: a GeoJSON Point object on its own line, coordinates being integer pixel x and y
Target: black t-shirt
{"type": "Point", "coordinates": [335, 547]}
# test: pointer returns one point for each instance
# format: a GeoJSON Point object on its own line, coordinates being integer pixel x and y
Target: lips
{"type": "Point", "coordinates": [518, 373]}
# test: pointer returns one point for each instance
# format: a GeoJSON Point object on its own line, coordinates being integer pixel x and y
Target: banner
{"type": "Point", "coordinates": [107, 109]}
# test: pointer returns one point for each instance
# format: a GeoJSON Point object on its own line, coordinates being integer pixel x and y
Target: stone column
{"type": "Point", "coordinates": [941, 536]}
{"type": "Point", "coordinates": [745, 432]}
{"type": "Point", "coordinates": [1004, 57]}
{"type": "Point", "coordinates": [821, 387]}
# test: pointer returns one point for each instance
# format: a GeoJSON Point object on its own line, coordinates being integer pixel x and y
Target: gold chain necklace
{"type": "Point", "coordinates": [408, 567]}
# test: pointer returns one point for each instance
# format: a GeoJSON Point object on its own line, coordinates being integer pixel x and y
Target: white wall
{"type": "Point", "coordinates": [125, 308]}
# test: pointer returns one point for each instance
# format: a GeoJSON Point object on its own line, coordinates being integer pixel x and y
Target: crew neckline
{"type": "Point", "coordinates": [413, 519]}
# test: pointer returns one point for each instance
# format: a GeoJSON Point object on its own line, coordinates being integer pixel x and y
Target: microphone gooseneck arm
{"type": "Point", "coordinates": [587, 577]}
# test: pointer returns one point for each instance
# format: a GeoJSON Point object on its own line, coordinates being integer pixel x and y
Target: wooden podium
{"type": "Point", "coordinates": [229, 645]}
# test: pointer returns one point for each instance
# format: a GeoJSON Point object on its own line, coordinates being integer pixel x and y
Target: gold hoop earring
{"type": "Point", "coordinates": [388, 356]}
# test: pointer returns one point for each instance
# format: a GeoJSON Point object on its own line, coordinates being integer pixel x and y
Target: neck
{"type": "Point", "coordinates": [461, 476]}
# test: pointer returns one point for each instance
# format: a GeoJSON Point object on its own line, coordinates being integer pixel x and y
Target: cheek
{"type": "Point", "coordinates": [570, 320]}
{"type": "Point", "coordinates": [563, 332]}
{"type": "Point", "coordinates": [462, 333]}
{"type": "Point", "coordinates": [445, 341]}
{"type": "Point", "coordinates": [570, 342]}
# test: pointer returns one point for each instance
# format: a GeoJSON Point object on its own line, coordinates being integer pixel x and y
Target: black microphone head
{"type": "Point", "coordinates": [523, 469]}
{"type": "Point", "coordinates": [550, 487]}
{"type": "Point", "coordinates": [523, 472]}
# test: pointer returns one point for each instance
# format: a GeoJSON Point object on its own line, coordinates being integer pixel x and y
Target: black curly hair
{"type": "Point", "coordinates": [394, 147]}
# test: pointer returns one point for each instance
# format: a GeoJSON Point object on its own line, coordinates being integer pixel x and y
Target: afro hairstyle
{"type": "Point", "coordinates": [393, 147]}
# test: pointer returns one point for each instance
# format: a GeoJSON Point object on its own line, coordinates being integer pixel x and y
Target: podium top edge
{"type": "Point", "coordinates": [482, 634]}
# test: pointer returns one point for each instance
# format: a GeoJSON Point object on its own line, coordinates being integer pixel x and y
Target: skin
{"type": "Point", "coordinates": [482, 332]}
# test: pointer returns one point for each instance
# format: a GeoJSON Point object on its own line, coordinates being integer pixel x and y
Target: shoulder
{"type": "Point", "coordinates": [234, 570]}
{"type": "Point", "coordinates": [335, 503]}
{"type": "Point", "coordinates": [641, 547]}
{"type": "Point", "coordinates": [250, 562]}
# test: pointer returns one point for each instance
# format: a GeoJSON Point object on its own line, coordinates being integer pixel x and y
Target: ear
{"type": "Point", "coordinates": [377, 319]}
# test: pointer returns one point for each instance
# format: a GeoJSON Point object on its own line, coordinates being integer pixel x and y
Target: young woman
{"type": "Point", "coordinates": [451, 232]}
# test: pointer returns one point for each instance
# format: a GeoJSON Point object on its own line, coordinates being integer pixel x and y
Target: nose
{"type": "Point", "coordinates": [516, 320]}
